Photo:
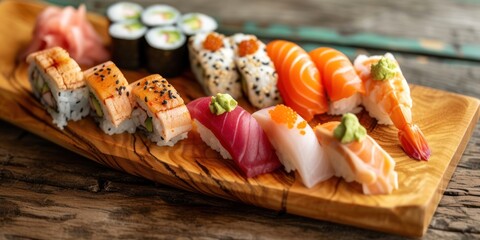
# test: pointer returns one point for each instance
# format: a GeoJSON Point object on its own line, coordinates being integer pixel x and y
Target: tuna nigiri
{"type": "Point", "coordinates": [388, 100]}
{"type": "Point", "coordinates": [233, 132]}
{"type": "Point", "coordinates": [299, 81]}
{"type": "Point", "coordinates": [344, 87]}
{"type": "Point", "coordinates": [355, 156]}
{"type": "Point", "coordinates": [295, 143]}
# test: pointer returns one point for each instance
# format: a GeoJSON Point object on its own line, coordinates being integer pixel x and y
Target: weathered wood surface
{"type": "Point", "coordinates": [49, 189]}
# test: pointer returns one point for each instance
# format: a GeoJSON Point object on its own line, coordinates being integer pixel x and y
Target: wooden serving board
{"type": "Point", "coordinates": [446, 119]}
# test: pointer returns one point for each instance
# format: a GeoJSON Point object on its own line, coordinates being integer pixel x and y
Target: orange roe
{"type": "Point", "coordinates": [283, 115]}
{"type": "Point", "coordinates": [247, 47]}
{"type": "Point", "coordinates": [302, 125]}
{"type": "Point", "coordinates": [302, 132]}
{"type": "Point", "coordinates": [213, 42]}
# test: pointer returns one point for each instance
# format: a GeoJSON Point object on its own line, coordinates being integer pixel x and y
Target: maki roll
{"type": "Point", "coordinates": [110, 98]}
{"type": "Point", "coordinates": [57, 81]}
{"type": "Point", "coordinates": [165, 51]}
{"type": "Point", "coordinates": [259, 78]}
{"type": "Point", "coordinates": [212, 62]}
{"type": "Point", "coordinates": [193, 23]}
{"type": "Point", "coordinates": [127, 43]}
{"type": "Point", "coordinates": [160, 15]}
{"type": "Point", "coordinates": [122, 11]}
{"type": "Point", "coordinates": [160, 111]}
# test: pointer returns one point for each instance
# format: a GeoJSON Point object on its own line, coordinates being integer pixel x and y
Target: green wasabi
{"type": "Point", "coordinates": [383, 70]}
{"type": "Point", "coordinates": [149, 124]}
{"type": "Point", "coordinates": [349, 129]}
{"type": "Point", "coordinates": [222, 103]}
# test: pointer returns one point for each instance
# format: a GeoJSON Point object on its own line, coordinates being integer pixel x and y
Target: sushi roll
{"type": "Point", "coordinates": [299, 81]}
{"type": "Point", "coordinates": [160, 111]}
{"type": "Point", "coordinates": [259, 78]}
{"type": "Point", "coordinates": [121, 11]}
{"type": "Point", "coordinates": [160, 15]}
{"type": "Point", "coordinates": [387, 99]}
{"type": "Point", "coordinates": [110, 98]}
{"type": "Point", "coordinates": [295, 143]}
{"type": "Point", "coordinates": [57, 81]}
{"type": "Point", "coordinates": [212, 62]}
{"type": "Point", "coordinates": [234, 133]}
{"type": "Point", "coordinates": [355, 156]}
{"type": "Point", "coordinates": [193, 23]}
{"type": "Point", "coordinates": [166, 51]}
{"type": "Point", "coordinates": [127, 43]}
{"type": "Point", "coordinates": [344, 87]}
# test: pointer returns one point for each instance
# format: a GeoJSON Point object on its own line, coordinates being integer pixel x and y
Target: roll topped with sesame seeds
{"type": "Point", "coordinates": [110, 98]}
{"type": "Point", "coordinates": [212, 62]}
{"type": "Point", "coordinates": [57, 82]}
{"type": "Point", "coordinates": [259, 78]}
{"type": "Point", "coordinates": [160, 111]}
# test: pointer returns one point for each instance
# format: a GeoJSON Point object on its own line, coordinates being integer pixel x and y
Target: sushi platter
{"type": "Point", "coordinates": [446, 119]}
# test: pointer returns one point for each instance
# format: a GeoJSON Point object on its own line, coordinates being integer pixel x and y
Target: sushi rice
{"type": "Point", "coordinates": [209, 138]}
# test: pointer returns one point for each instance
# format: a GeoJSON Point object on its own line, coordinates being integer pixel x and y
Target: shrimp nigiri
{"type": "Point", "coordinates": [299, 81]}
{"type": "Point", "coordinates": [388, 100]}
{"type": "Point", "coordinates": [355, 156]}
{"type": "Point", "coordinates": [344, 87]}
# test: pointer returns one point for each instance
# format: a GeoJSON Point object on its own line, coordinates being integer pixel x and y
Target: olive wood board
{"type": "Point", "coordinates": [447, 120]}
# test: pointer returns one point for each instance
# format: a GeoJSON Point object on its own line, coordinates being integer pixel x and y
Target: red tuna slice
{"type": "Point", "coordinates": [240, 135]}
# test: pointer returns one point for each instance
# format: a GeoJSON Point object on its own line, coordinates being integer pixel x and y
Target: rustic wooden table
{"type": "Point", "coordinates": [48, 192]}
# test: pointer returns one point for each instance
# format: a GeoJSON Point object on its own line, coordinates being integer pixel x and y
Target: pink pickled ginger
{"type": "Point", "coordinates": [69, 29]}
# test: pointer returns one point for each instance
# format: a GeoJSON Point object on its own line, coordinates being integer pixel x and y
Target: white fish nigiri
{"type": "Point", "coordinates": [355, 156]}
{"type": "Point", "coordinates": [295, 143]}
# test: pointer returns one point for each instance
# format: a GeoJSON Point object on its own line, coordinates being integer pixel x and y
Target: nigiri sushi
{"type": "Point", "coordinates": [57, 81]}
{"type": "Point", "coordinates": [344, 87]}
{"type": "Point", "coordinates": [355, 156]}
{"type": "Point", "coordinates": [234, 133]}
{"type": "Point", "coordinates": [259, 78]}
{"type": "Point", "coordinates": [110, 99]}
{"type": "Point", "coordinates": [299, 81]}
{"type": "Point", "coordinates": [160, 111]}
{"type": "Point", "coordinates": [387, 99]}
{"type": "Point", "coordinates": [212, 62]}
{"type": "Point", "coordinates": [295, 143]}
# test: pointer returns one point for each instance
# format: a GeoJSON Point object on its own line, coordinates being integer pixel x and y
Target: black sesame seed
{"type": "Point", "coordinates": [254, 86]}
{"type": "Point", "coordinates": [145, 88]}
{"type": "Point", "coordinates": [169, 85]}
{"type": "Point", "coordinates": [108, 69]}
{"type": "Point", "coordinates": [59, 94]}
{"type": "Point", "coordinates": [96, 73]}
{"type": "Point", "coordinates": [128, 93]}
{"type": "Point", "coordinates": [109, 129]}
{"type": "Point", "coordinates": [77, 102]}
{"type": "Point", "coordinates": [227, 88]}
{"type": "Point", "coordinates": [146, 100]}
{"type": "Point", "coordinates": [257, 79]}
{"type": "Point", "coordinates": [118, 81]}
{"type": "Point", "coordinates": [275, 98]}
{"type": "Point", "coordinates": [138, 84]}
{"type": "Point", "coordinates": [267, 94]}
{"type": "Point", "coordinates": [257, 92]}
{"type": "Point", "coordinates": [81, 109]}
{"type": "Point", "coordinates": [114, 75]}
{"type": "Point", "coordinates": [102, 76]}
{"type": "Point", "coordinates": [164, 102]}
{"type": "Point", "coordinates": [163, 81]}
{"type": "Point", "coordinates": [94, 69]}
{"type": "Point", "coordinates": [161, 138]}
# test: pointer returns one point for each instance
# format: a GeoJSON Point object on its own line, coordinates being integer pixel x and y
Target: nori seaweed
{"type": "Point", "coordinates": [168, 63]}
{"type": "Point", "coordinates": [128, 54]}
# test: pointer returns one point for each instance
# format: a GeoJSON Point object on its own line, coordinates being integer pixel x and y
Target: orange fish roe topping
{"type": "Point", "coordinates": [283, 115]}
{"type": "Point", "coordinates": [302, 132]}
{"type": "Point", "coordinates": [247, 47]}
{"type": "Point", "coordinates": [302, 125]}
{"type": "Point", "coordinates": [213, 42]}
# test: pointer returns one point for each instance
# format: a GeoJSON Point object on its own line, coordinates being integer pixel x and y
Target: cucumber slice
{"type": "Point", "coordinates": [96, 105]}
{"type": "Point", "coordinates": [45, 88]}
{"type": "Point", "coordinates": [149, 124]}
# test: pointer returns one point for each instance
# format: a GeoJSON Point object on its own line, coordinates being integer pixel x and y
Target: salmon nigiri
{"type": "Point", "coordinates": [387, 99]}
{"type": "Point", "coordinates": [344, 87]}
{"type": "Point", "coordinates": [355, 156]}
{"type": "Point", "coordinates": [299, 81]}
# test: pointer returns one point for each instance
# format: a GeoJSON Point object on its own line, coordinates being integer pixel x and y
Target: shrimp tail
{"type": "Point", "coordinates": [414, 143]}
